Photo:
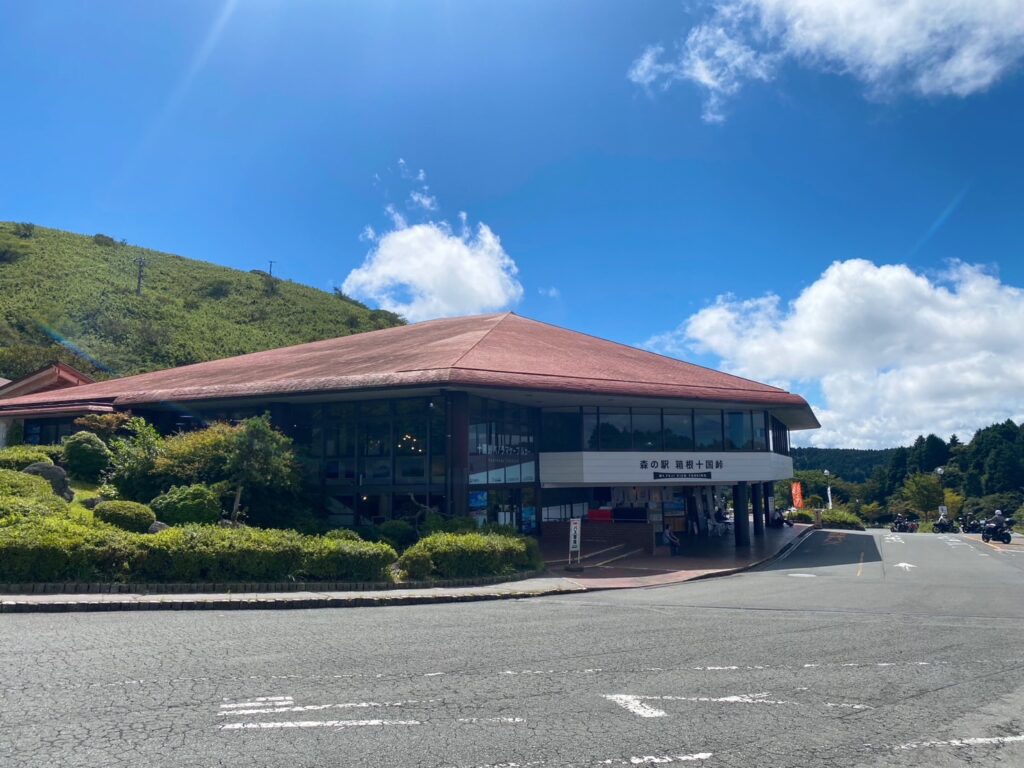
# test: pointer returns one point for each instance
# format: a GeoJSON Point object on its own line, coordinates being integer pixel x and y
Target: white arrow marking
{"type": "Point", "coordinates": [905, 566]}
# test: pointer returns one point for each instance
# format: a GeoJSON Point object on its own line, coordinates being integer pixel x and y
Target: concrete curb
{"type": "Point", "coordinates": [269, 603]}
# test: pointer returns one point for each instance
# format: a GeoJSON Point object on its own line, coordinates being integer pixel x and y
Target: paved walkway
{"type": "Point", "coordinates": [702, 558]}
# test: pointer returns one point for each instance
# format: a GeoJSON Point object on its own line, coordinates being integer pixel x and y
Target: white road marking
{"type": "Point", "coordinates": [314, 724]}
{"type": "Point", "coordinates": [905, 566]}
{"type": "Point", "coordinates": [433, 674]}
{"type": "Point", "coordinates": [659, 759]}
{"type": "Point", "coordinates": [848, 706]}
{"type": "Point", "coordinates": [971, 742]}
{"type": "Point", "coordinates": [314, 707]}
{"type": "Point", "coordinates": [634, 705]}
{"type": "Point", "coordinates": [276, 701]}
{"type": "Point", "coordinates": [490, 720]}
{"type": "Point", "coordinates": [803, 575]}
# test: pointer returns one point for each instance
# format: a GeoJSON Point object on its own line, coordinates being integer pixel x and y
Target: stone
{"type": "Point", "coordinates": [55, 476]}
{"type": "Point", "coordinates": [91, 502]}
{"type": "Point", "coordinates": [157, 527]}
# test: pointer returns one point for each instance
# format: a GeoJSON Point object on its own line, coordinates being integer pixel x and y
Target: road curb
{"type": "Point", "coordinates": [269, 603]}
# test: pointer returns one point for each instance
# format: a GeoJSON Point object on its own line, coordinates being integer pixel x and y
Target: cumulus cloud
{"type": "Point", "coordinates": [928, 47]}
{"type": "Point", "coordinates": [422, 271]}
{"type": "Point", "coordinates": [894, 353]}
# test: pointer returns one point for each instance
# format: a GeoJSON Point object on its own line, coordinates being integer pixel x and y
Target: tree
{"type": "Point", "coordinates": [953, 502]}
{"type": "Point", "coordinates": [25, 230]}
{"type": "Point", "coordinates": [259, 456]}
{"type": "Point", "coordinates": [922, 492]}
{"type": "Point", "coordinates": [105, 425]}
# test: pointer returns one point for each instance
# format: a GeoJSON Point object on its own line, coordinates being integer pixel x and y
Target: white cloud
{"type": "Point", "coordinates": [423, 200]}
{"type": "Point", "coordinates": [928, 47]}
{"type": "Point", "coordinates": [422, 271]}
{"type": "Point", "coordinates": [550, 292]}
{"type": "Point", "coordinates": [895, 353]}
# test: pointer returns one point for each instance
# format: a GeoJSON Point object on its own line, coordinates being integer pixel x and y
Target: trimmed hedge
{"type": "Point", "coordinates": [469, 555]}
{"type": "Point", "coordinates": [46, 549]}
{"type": "Point", "coordinates": [22, 506]}
{"type": "Point", "coordinates": [416, 564]}
{"type": "Point", "coordinates": [128, 515]}
{"type": "Point", "coordinates": [343, 534]}
{"type": "Point", "coordinates": [187, 504]}
{"type": "Point", "coordinates": [27, 486]}
{"type": "Point", "coordinates": [830, 518]}
{"type": "Point", "coordinates": [20, 456]}
{"type": "Point", "coordinates": [86, 456]}
{"type": "Point", "coordinates": [398, 533]}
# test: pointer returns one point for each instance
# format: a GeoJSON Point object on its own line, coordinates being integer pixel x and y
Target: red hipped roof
{"type": "Point", "coordinates": [502, 350]}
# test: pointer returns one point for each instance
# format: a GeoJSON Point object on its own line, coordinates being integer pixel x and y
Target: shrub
{"type": "Point", "coordinates": [24, 230]}
{"type": "Point", "coordinates": [840, 518]}
{"type": "Point", "coordinates": [128, 515]}
{"type": "Point", "coordinates": [467, 555]}
{"type": "Point", "coordinates": [187, 504]}
{"type": "Point", "coordinates": [801, 516]}
{"type": "Point", "coordinates": [436, 523]}
{"type": "Point", "coordinates": [133, 460]}
{"type": "Point", "coordinates": [398, 533]}
{"type": "Point", "coordinates": [218, 288]}
{"type": "Point", "coordinates": [210, 553]}
{"type": "Point", "coordinates": [54, 548]}
{"type": "Point", "coordinates": [54, 452]}
{"type": "Point", "coordinates": [20, 456]}
{"type": "Point", "coordinates": [26, 486]}
{"type": "Point", "coordinates": [333, 560]}
{"type": "Point", "coordinates": [368, 532]}
{"type": "Point", "coordinates": [22, 506]}
{"type": "Point", "coordinates": [86, 456]}
{"type": "Point", "coordinates": [105, 240]}
{"type": "Point", "coordinates": [105, 425]}
{"type": "Point", "coordinates": [342, 534]}
{"type": "Point", "coordinates": [416, 564]}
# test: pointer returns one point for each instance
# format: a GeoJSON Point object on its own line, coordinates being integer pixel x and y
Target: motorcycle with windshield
{"type": "Point", "coordinates": [998, 531]}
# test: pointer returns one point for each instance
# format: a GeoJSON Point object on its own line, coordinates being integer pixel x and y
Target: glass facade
{"type": "Point", "coordinates": [501, 443]}
{"type": "Point", "coordinates": [660, 429]}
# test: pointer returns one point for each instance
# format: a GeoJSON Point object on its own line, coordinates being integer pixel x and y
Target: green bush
{"type": "Point", "coordinates": [416, 564]}
{"type": "Point", "coordinates": [22, 506]}
{"type": "Point", "coordinates": [468, 555]}
{"type": "Point", "coordinates": [436, 523]}
{"type": "Point", "coordinates": [54, 452]}
{"type": "Point", "coordinates": [209, 553]}
{"type": "Point", "coordinates": [187, 504]}
{"type": "Point", "coordinates": [53, 548]}
{"type": "Point", "coordinates": [830, 518]}
{"type": "Point", "coordinates": [86, 456]}
{"type": "Point", "coordinates": [398, 533]}
{"type": "Point", "coordinates": [129, 515]}
{"type": "Point", "coordinates": [19, 484]}
{"type": "Point", "coordinates": [342, 534]}
{"type": "Point", "coordinates": [20, 456]}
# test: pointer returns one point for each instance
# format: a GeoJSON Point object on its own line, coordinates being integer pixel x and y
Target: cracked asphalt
{"type": "Point", "coordinates": [857, 649]}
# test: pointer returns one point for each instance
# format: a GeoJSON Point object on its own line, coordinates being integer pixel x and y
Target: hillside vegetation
{"type": "Point", "coordinates": [73, 297]}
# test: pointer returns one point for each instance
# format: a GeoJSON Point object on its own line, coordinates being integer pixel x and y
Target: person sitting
{"type": "Point", "coordinates": [671, 539]}
{"type": "Point", "coordinates": [778, 519]}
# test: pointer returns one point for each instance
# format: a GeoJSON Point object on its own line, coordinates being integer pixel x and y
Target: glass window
{"type": "Point", "coordinates": [760, 431]}
{"type": "Point", "coordinates": [647, 429]}
{"type": "Point", "coordinates": [678, 429]}
{"type": "Point", "coordinates": [591, 436]}
{"type": "Point", "coordinates": [614, 429]}
{"type": "Point", "coordinates": [707, 430]}
{"type": "Point", "coordinates": [375, 430]}
{"type": "Point", "coordinates": [561, 430]}
{"type": "Point", "coordinates": [738, 432]}
{"type": "Point", "coordinates": [438, 439]}
{"type": "Point", "coordinates": [410, 435]}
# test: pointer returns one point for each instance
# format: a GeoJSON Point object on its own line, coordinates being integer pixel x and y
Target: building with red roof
{"type": "Point", "coordinates": [496, 416]}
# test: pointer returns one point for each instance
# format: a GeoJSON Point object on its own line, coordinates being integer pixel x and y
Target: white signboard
{"type": "Point", "coordinates": [574, 534]}
{"type": "Point", "coordinates": [661, 468]}
{"type": "Point", "coordinates": [942, 509]}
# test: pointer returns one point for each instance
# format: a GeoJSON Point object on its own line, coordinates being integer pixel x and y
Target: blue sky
{"type": "Point", "coordinates": [239, 133]}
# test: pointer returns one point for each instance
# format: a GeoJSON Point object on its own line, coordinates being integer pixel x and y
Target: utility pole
{"type": "Point", "coordinates": [141, 264]}
{"type": "Point", "coordinates": [272, 263]}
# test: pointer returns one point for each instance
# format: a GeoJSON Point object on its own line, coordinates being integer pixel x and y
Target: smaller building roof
{"type": "Point", "coordinates": [55, 375]}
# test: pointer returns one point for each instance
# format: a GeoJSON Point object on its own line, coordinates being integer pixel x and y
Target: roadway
{"type": "Point", "coordinates": [857, 649]}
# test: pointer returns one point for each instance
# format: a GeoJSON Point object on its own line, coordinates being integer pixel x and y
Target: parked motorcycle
{"type": "Point", "coordinates": [998, 532]}
{"type": "Point", "coordinates": [969, 525]}
{"type": "Point", "coordinates": [942, 525]}
{"type": "Point", "coordinates": [903, 526]}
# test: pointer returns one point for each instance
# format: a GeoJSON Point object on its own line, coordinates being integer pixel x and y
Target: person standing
{"type": "Point", "coordinates": [671, 539]}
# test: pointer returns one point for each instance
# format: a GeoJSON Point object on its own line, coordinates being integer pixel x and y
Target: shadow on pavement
{"type": "Point", "coordinates": [821, 549]}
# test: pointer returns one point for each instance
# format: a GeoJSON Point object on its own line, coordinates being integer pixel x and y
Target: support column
{"type": "Point", "coordinates": [757, 501]}
{"type": "Point", "coordinates": [457, 407]}
{"type": "Point", "coordinates": [741, 517]}
{"type": "Point", "coordinates": [769, 502]}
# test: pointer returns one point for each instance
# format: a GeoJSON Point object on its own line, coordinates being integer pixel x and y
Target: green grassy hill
{"type": "Point", "coordinates": [61, 292]}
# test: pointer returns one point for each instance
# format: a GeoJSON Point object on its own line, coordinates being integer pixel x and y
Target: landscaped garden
{"type": "Point", "coordinates": [117, 502]}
